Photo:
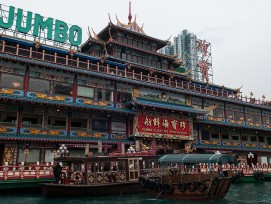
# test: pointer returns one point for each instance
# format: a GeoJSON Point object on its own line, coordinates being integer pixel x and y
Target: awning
{"type": "Point", "coordinates": [198, 158]}
{"type": "Point", "coordinates": [168, 106]}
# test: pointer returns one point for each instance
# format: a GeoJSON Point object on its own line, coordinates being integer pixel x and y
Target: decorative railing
{"type": "Point", "coordinates": [22, 172]}
{"type": "Point", "coordinates": [83, 63]}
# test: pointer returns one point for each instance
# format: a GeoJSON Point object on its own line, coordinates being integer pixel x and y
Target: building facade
{"type": "Point", "coordinates": [115, 92]}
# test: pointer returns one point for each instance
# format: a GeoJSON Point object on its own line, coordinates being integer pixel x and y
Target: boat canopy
{"type": "Point", "coordinates": [198, 158]}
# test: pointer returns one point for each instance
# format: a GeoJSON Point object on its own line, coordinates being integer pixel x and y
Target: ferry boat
{"type": "Point", "coordinates": [99, 176]}
{"type": "Point", "coordinates": [180, 177]}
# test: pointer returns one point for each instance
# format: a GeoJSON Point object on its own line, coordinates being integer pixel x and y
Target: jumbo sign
{"type": "Point", "coordinates": [57, 30]}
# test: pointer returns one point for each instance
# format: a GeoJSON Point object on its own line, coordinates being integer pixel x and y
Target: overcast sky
{"type": "Point", "coordinates": [239, 30]}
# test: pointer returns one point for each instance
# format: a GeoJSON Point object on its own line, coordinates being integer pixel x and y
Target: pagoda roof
{"type": "Point", "coordinates": [57, 138]}
{"type": "Point", "coordinates": [105, 34]}
{"type": "Point", "coordinates": [167, 106]}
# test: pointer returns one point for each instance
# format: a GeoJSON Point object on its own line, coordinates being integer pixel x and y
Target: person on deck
{"type": "Point", "coordinates": [57, 171]}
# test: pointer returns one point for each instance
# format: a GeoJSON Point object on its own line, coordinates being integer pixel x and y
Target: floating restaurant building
{"type": "Point", "coordinates": [113, 91]}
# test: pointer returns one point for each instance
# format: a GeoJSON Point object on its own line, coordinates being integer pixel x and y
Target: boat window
{"type": "Point", "coordinates": [205, 135]}
{"type": "Point", "coordinates": [104, 94]}
{"type": "Point", "coordinates": [235, 137]}
{"type": "Point", "coordinates": [225, 136]}
{"type": "Point", "coordinates": [261, 139]}
{"type": "Point", "coordinates": [121, 165]}
{"type": "Point", "coordinates": [8, 119]}
{"type": "Point", "coordinates": [63, 89]}
{"type": "Point", "coordinates": [11, 81]}
{"type": "Point", "coordinates": [85, 92]}
{"type": "Point", "coordinates": [39, 85]}
{"type": "Point", "coordinates": [99, 125]}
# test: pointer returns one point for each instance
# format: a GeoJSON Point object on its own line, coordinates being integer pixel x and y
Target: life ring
{"type": "Point", "coordinates": [114, 177]}
{"type": "Point", "coordinates": [142, 182]}
{"type": "Point", "coordinates": [257, 176]}
{"type": "Point", "coordinates": [161, 187]}
{"type": "Point", "coordinates": [169, 188]}
{"type": "Point", "coordinates": [77, 177]}
{"type": "Point", "coordinates": [156, 186]}
{"type": "Point", "coordinates": [191, 186]}
{"type": "Point", "coordinates": [233, 179]}
{"type": "Point", "coordinates": [261, 176]}
{"type": "Point", "coordinates": [201, 186]}
{"type": "Point", "coordinates": [215, 181]}
{"type": "Point", "coordinates": [182, 187]}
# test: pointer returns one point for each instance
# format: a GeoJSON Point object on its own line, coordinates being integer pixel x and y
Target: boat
{"type": "Point", "coordinates": [99, 176]}
{"type": "Point", "coordinates": [180, 177]}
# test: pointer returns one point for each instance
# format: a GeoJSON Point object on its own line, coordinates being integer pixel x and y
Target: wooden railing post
{"type": "Point", "coordinates": [125, 72]}
{"type": "Point", "coordinates": [4, 45]}
{"type": "Point", "coordinates": [149, 77]}
{"type": "Point", "coordinates": [133, 74]}
{"type": "Point", "coordinates": [117, 71]}
{"type": "Point", "coordinates": [87, 64]}
{"type": "Point", "coordinates": [30, 53]}
{"type": "Point", "coordinates": [98, 66]}
{"type": "Point", "coordinates": [55, 56]}
{"type": "Point", "coordinates": [43, 54]}
{"type": "Point", "coordinates": [17, 49]}
{"type": "Point", "coordinates": [163, 81]}
{"type": "Point", "coordinates": [176, 83]}
{"type": "Point", "coordinates": [77, 62]}
{"type": "Point", "coordinates": [141, 76]}
{"type": "Point", "coordinates": [107, 68]}
{"type": "Point", "coordinates": [156, 79]}
{"type": "Point", "coordinates": [67, 59]}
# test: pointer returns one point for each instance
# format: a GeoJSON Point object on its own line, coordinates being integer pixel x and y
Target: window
{"type": "Point", "coordinates": [12, 81]}
{"type": "Point", "coordinates": [100, 125]}
{"type": "Point", "coordinates": [239, 116]}
{"type": "Point", "coordinates": [85, 92]}
{"type": "Point", "coordinates": [63, 88]}
{"type": "Point", "coordinates": [205, 135]}
{"type": "Point", "coordinates": [118, 127]}
{"type": "Point", "coordinates": [8, 118]}
{"type": "Point", "coordinates": [57, 121]}
{"type": "Point", "coordinates": [225, 136]}
{"type": "Point", "coordinates": [219, 113]}
{"type": "Point", "coordinates": [230, 114]}
{"type": "Point", "coordinates": [253, 139]}
{"type": "Point", "coordinates": [261, 139]}
{"type": "Point", "coordinates": [124, 57]}
{"type": "Point", "coordinates": [235, 137]}
{"type": "Point", "coordinates": [215, 135]}
{"type": "Point", "coordinates": [39, 85]}
{"type": "Point", "coordinates": [33, 156]}
{"type": "Point", "coordinates": [244, 138]}
{"type": "Point", "coordinates": [31, 119]}
{"type": "Point", "coordinates": [79, 123]}
{"type": "Point", "coordinates": [104, 94]}
{"type": "Point", "coordinates": [124, 97]}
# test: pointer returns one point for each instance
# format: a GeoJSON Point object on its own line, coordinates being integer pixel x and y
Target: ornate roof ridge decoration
{"type": "Point", "coordinates": [133, 26]}
{"type": "Point", "coordinates": [238, 90]}
{"type": "Point", "coordinates": [182, 73]}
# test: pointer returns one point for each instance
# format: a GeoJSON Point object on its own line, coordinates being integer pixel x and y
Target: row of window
{"type": "Point", "coordinates": [239, 116]}
{"type": "Point", "coordinates": [140, 60]}
{"type": "Point", "coordinates": [58, 88]}
{"type": "Point", "coordinates": [39, 121]}
{"type": "Point", "coordinates": [137, 44]}
{"type": "Point", "coordinates": [207, 135]}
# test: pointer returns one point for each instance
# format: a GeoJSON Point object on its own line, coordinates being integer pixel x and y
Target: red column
{"type": "Point", "coordinates": [69, 123]}
{"type": "Point", "coordinates": [109, 126]}
{"type": "Point", "coordinates": [115, 94]}
{"type": "Point", "coordinates": [26, 79]}
{"type": "Point", "coordinates": [225, 112]}
{"type": "Point", "coordinates": [199, 135]}
{"type": "Point", "coordinates": [131, 127]}
{"type": "Point", "coordinates": [74, 91]}
{"type": "Point", "coordinates": [19, 119]}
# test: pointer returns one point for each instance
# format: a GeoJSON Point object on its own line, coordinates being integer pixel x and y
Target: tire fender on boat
{"type": "Point", "coordinates": [201, 186]}
{"type": "Point", "coordinates": [142, 182]}
{"type": "Point", "coordinates": [191, 186]}
{"type": "Point", "coordinates": [215, 181]}
{"type": "Point", "coordinates": [169, 188]}
{"type": "Point", "coordinates": [77, 177]}
{"type": "Point", "coordinates": [182, 187]}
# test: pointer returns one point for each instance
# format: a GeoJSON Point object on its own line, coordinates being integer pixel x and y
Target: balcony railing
{"type": "Point", "coordinates": [86, 64]}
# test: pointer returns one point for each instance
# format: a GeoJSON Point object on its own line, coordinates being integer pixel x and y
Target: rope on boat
{"type": "Point", "coordinates": [159, 195]}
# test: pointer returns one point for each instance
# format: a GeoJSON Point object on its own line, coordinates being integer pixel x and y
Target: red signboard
{"type": "Point", "coordinates": [163, 125]}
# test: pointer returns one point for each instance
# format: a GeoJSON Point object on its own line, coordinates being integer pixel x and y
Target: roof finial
{"type": "Point", "coordinates": [130, 15]}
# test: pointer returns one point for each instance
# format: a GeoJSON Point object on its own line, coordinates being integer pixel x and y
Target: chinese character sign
{"type": "Point", "coordinates": [163, 125]}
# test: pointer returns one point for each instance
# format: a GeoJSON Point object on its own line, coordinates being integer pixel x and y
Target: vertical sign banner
{"type": "Point", "coordinates": [163, 125]}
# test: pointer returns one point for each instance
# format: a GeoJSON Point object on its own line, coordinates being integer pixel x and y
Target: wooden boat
{"type": "Point", "coordinates": [99, 176]}
{"type": "Point", "coordinates": [180, 178]}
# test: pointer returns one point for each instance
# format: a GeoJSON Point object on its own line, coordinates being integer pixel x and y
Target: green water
{"type": "Point", "coordinates": [239, 193]}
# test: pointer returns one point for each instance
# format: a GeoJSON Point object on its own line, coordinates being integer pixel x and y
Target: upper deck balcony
{"type": "Point", "coordinates": [108, 69]}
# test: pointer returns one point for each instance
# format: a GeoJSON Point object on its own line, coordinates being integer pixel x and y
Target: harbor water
{"type": "Point", "coordinates": [239, 193]}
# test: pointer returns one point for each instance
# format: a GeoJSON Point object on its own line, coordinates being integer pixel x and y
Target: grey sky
{"type": "Point", "coordinates": [239, 31]}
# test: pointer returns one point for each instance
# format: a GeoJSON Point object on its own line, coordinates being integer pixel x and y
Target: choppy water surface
{"type": "Point", "coordinates": [239, 193]}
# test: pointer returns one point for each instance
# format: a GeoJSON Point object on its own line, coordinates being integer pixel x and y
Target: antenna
{"type": "Point", "coordinates": [130, 15]}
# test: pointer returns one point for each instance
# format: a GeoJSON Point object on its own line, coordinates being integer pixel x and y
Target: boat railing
{"type": "Point", "coordinates": [21, 172]}
{"type": "Point", "coordinates": [104, 177]}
